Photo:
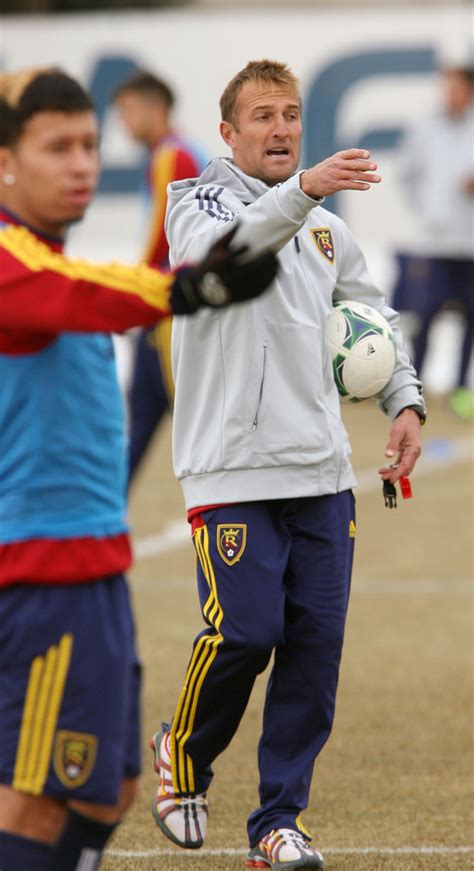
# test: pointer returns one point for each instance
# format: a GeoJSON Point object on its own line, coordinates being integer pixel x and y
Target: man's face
{"type": "Point", "coordinates": [458, 92]}
{"type": "Point", "coordinates": [145, 119]}
{"type": "Point", "coordinates": [55, 164]}
{"type": "Point", "coordinates": [266, 133]}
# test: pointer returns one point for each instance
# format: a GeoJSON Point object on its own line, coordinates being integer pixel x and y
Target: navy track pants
{"type": "Point", "coordinates": [272, 577]}
{"type": "Point", "coordinates": [149, 398]}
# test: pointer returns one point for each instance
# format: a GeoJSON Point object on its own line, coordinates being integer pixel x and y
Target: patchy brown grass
{"type": "Point", "coordinates": [397, 771]}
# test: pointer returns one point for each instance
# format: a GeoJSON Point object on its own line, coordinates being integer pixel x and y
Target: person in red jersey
{"type": "Point", "coordinates": [145, 104]}
{"type": "Point", "coordinates": [70, 676]}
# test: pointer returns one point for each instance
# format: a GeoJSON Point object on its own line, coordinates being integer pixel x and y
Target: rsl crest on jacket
{"type": "Point", "coordinates": [324, 242]}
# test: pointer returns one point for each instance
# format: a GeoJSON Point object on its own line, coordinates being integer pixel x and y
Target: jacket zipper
{"type": "Point", "coordinates": [259, 403]}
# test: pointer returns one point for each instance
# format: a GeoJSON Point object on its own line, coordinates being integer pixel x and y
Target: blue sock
{"type": "Point", "coordinates": [23, 854]}
{"type": "Point", "coordinates": [81, 844]}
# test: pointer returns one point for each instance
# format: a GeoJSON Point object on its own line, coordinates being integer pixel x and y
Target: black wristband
{"type": "Point", "coordinates": [418, 409]}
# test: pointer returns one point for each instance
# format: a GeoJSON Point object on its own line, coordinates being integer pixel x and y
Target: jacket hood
{"type": "Point", "coordinates": [221, 172]}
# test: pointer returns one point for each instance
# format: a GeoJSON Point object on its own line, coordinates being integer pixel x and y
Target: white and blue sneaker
{"type": "Point", "coordinates": [183, 819]}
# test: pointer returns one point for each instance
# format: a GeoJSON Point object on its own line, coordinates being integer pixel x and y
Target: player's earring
{"type": "Point", "coordinates": [9, 179]}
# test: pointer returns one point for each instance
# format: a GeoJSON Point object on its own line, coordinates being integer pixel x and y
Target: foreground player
{"type": "Point", "coordinates": [145, 104]}
{"type": "Point", "coordinates": [266, 472]}
{"type": "Point", "coordinates": [69, 719]}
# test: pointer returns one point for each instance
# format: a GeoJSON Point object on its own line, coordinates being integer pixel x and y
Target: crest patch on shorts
{"type": "Point", "coordinates": [323, 239]}
{"type": "Point", "coordinates": [231, 541]}
{"type": "Point", "coordinates": [74, 757]}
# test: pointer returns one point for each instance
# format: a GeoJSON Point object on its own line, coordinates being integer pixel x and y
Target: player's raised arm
{"type": "Point", "coordinates": [201, 212]}
{"type": "Point", "coordinates": [351, 170]}
{"type": "Point", "coordinates": [42, 290]}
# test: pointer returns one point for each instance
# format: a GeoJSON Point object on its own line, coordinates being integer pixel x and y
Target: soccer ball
{"type": "Point", "coordinates": [362, 348]}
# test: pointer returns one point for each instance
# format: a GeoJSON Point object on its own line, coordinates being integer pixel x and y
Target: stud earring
{"type": "Point", "coordinates": [9, 179]}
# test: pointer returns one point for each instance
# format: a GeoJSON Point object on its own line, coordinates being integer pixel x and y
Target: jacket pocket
{"type": "Point", "coordinates": [284, 409]}
{"type": "Point", "coordinates": [262, 383]}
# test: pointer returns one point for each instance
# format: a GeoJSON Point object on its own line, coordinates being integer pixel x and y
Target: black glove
{"type": "Point", "coordinates": [222, 278]}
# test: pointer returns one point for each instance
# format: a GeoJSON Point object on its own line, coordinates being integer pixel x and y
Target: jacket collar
{"type": "Point", "coordinates": [8, 217]}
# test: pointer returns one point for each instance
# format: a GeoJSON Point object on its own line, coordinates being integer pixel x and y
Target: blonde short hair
{"type": "Point", "coordinates": [268, 71]}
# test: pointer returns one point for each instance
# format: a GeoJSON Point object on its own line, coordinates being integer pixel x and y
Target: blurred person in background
{"type": "Point", "coordinates": [263, 459]}
{"type": "Point", "coordinates": [145, 104]}
{"type": "Point", "coordinates": [436, 168]}
{"type": "Point", "coordinates": [69, 671]}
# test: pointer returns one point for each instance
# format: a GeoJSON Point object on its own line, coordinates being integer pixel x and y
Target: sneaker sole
{"type": "Point", "coordinates": [185, 845]}
{"type": "Point", "coordinates": [305, 864]}
{"type": "Point", "coordinates": [256, 863]}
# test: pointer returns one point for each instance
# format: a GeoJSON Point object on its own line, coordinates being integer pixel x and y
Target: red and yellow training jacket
{"type": "Point", "coordinates": [62, 440]}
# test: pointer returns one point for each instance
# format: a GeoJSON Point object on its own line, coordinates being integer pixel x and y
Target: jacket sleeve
{"type": "Point", "coordinates": [168, 164]}
{"type": "Point", "coordinates": [42, 290]}
{"type": "Point", "coordinates": [208, 211]}
{"type": "Point", "coordinates": [354, 282]}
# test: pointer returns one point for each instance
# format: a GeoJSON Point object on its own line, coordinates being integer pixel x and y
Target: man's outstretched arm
{"type": "Point", "coordinates": [43, 291]}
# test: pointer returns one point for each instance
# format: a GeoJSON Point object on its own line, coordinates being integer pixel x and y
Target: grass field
{"type": "Point", "coordinates": [393, 787]}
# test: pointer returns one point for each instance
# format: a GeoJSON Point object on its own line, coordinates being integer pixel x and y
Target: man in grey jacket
{"type": "Point", "coordinates": [436, 163]}
{"type": "Point", "coordinates": [263, 458]}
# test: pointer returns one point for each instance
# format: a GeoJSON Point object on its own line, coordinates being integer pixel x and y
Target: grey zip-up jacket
{"type": "Point", "coordinates": [436, 159]}
{"type": "Point", "coordinates": [256, 412]}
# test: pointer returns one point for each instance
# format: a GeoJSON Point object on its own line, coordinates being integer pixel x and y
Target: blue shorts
{"type": "Point", "coordinates": [69, 690]}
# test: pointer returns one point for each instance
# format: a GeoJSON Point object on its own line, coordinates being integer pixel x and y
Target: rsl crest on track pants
{"type": "Point", "coordinates": [272, 577]}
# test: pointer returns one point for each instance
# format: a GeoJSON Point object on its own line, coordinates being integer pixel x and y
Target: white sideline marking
{"type": "Point", "coordinates": [177, 533]}
{"type": "Point", "coordinates": [361, 586]}
{"type": "Point", "coordinates": [417, 586]}
{"type": "Point", "coordinates": [173, 535]}
{"type": "Point", "coordinates": [340, 851]}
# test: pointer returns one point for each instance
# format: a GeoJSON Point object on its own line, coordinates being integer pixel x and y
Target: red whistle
{"type": "Point", "coordinates": [405, 487]}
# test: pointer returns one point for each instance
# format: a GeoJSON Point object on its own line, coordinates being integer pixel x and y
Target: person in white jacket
{"type": "Point", "coordinates": [263, 458]}
{"type": "Point", "coordinates": [436, 173]}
